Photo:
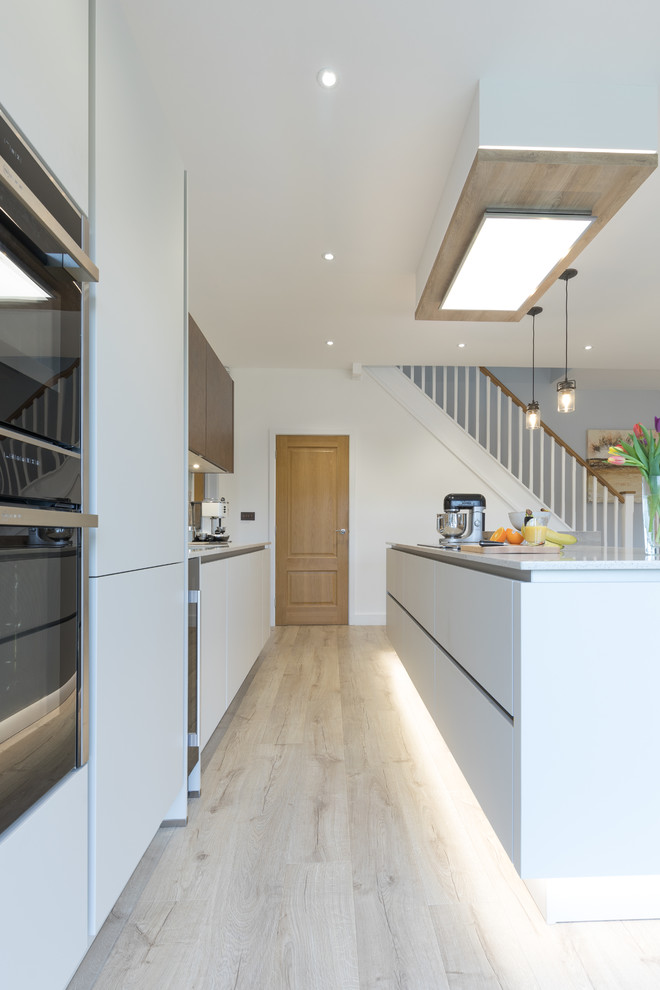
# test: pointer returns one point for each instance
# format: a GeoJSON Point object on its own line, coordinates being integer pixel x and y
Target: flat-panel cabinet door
{"type": "Point", "coordinates": [244, 613]}
{"type": "Point", "coordinates": [219, 413]}
{"type": "Point", "coordinates": [196, 389]}
{"type": "Point", "coordinates": [475, 625]}
{"type": "Point", "coordinates": [481, 740]}
{"type": "Point", "coordinates": [213, 659]}
{"type": "Point", "coordinates": [416, 652]}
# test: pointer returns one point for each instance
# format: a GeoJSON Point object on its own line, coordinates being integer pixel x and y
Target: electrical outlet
{"type": "Point", "coordinates": [247, 516]}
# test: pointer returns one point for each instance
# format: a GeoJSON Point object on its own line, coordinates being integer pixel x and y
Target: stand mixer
{"type": "Point", "coordinates": [463, 519]}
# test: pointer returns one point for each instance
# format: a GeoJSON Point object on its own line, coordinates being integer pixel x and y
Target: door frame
{"type": "Point", "coordinates": [352, 463]}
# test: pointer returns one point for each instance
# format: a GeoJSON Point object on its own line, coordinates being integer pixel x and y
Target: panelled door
{"type": "Point", "coordinates": [311, 530]}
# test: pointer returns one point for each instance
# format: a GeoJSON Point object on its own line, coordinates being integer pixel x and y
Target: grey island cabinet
{"type": "Point", "coordinates": [543, 676]}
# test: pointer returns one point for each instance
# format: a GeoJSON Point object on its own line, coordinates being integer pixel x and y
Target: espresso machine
{"type": "Point", "coordinates": [463, 519]}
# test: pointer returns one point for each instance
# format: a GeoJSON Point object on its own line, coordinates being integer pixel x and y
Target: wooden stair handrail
{"type": "Point", "coordinates": [67, 373]}
{"type": "Point", "coordinates": [551, 433]}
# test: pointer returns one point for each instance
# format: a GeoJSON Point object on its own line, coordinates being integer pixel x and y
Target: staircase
{"type": "Point", "coordinates": [541, 468]}
{"type": "Point", "coordinates": [41, 415]}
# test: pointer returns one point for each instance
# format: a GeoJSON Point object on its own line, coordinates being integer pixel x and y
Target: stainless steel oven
{"type": "Point", "coordinates": [43, 482]}
{"type": "Point", "coordinates": [39, 663]}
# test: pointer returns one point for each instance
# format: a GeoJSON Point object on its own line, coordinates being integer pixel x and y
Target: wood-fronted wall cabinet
{"type": "Point", "coordinates": [210, 402]}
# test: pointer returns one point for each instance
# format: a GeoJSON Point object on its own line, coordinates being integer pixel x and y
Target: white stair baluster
{"type": "Point", "coordinates": [477, 403]}
{"type": "Point", "coordinates": [488, 443]}
{"type": "Point", "coordinates": [466, 380]}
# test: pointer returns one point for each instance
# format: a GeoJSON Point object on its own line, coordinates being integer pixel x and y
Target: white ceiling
{"type": "Point", "coordinates": [281, 171]}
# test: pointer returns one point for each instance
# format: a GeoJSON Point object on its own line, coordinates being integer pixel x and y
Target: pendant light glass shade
{"type": "Point", "coordinates": [566, 396]}
{"type": "Point", "coordinates": [533, 416]}
{"type": "Point", "coordinates": [566, 388]}
{"type": "Point", "coordinates": [533, 411]}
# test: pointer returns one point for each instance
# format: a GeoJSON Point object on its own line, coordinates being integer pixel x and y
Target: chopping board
{"type": "Point", "coordinates": [510, 548]}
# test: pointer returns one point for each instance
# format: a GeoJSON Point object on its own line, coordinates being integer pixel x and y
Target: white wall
{"type": "Point", "coordinates": [399, 473]}
{"type": "Point", "coordinates": [595, 408]}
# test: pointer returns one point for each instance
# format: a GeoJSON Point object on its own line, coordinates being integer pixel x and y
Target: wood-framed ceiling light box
{"type": "Point", "coordinates": [592, 185]}
{"type": "Point", "coordinates": [545, 148]}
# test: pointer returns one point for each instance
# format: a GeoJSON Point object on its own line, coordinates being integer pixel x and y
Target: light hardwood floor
{"type": "Point", "coordinates": [336, 846]}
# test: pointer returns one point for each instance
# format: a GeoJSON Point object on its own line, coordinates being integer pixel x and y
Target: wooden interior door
{"type": "Point", "coordinates": [311, 530]}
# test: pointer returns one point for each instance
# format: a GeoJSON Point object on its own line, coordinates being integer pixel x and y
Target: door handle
{"type": "Point", "coordinates": [342, 531]}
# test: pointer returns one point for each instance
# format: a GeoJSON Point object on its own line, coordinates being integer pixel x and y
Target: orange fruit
{"type": "Point", "coordinates": [499, 536]}
{"type": "Point", "coordinates": [513, 536]}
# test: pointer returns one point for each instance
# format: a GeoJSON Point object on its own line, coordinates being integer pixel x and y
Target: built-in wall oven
{"type": "Point", "coordinates": [43, 483]}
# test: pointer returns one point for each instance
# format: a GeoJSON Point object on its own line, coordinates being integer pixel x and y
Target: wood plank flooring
{"type": "Point", "coordinates": [336, 846]}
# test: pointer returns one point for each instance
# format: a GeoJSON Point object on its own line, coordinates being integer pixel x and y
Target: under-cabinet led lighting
{"type": "Point", "coordinates": [15, 284]}
{"type": "Point", "coordinates": [510, 256]}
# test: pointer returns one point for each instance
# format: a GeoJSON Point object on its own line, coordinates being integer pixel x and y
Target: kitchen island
{"type": "Point", "coordinates": [542, 673]}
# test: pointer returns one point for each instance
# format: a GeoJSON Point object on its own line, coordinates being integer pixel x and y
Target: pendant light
{"type": "Point", "coordinates": [533, 411]}
{"type": "Point", "coordinates": [566, 388]}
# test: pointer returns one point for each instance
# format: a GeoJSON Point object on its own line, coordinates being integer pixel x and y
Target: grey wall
{"type": "Point", "coordinates": [595, 408]}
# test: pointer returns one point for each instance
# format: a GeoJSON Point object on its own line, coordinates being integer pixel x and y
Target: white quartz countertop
{"type": "Point", "coordinates": [566, 564]}
{"type": "Point", "coordinates": [206, 551]}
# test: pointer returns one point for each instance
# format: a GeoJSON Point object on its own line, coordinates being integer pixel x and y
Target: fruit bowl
{"type": "Point", "coordinates": [516, 518]}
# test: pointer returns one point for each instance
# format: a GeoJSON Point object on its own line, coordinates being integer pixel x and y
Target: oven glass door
{"type": "Point", "coordinates": [39, 664]}
{"type": "Point", "coordinates": [40, 324]}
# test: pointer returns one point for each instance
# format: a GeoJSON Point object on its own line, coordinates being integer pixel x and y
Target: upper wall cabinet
{"type": "Point", "coordinates": [210, 404]}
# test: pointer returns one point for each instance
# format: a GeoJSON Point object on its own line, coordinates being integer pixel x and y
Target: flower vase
{"type": "Point", "coordinates": [651, 514]}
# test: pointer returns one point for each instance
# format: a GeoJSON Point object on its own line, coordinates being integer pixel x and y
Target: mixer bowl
{"type": "Point", "coordinates": [453, 525]}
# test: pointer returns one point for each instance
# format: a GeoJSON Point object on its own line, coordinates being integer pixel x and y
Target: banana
{"type": "Point", "coordinates": [561, 539]}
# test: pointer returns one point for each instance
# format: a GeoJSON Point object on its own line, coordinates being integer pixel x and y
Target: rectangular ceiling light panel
{"type": "Point", "coordinates": [16, 285]}
{"type": "Point", "coordinates": [510, 256]}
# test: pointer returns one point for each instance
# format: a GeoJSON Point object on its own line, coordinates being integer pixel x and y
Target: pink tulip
{"type": "Point", "coordinates": [637, 430]}
{"type": "Point", "coordinates": [616, 459]}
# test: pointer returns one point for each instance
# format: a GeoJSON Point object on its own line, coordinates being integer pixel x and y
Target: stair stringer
{"type": "Point", "coordinates": [452, 436]}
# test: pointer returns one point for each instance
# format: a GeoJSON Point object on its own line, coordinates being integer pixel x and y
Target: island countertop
{"type": "Point", "coordinates": [570, 563]}
{"type": "Point", "coordinates": [206, 552]}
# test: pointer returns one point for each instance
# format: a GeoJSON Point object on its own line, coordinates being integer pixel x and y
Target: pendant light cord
{"type": "Point", "coordinates": [566, 364]}
{"type": "Point", "coordinates": [533, 348]}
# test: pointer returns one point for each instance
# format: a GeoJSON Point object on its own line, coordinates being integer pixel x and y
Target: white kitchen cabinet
{"type": "Point", "coordinates": [212, 685]}
{"type": "Point", "coordinates": [411, 583]}
{"type": "Point", "coordinates": [235, 624]}
{"type": "Point", "coordinates": [419, 652]}
{"type": "Point", "coordinates": [481, 739]}
{"type": "Point", "coordinates": [244, 612]}
{"type": "Point", "coordinates": [474, 623]}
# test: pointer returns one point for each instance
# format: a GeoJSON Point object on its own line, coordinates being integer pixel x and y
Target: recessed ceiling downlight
{"type": "Point", "coordinates": [16, 285]}
{"type": "Point", "coordinates": [328, 256]}
{"type": "Point", "coordinates": [326, 78]}
{"type": "Point", "coordinates": [330, 343]}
